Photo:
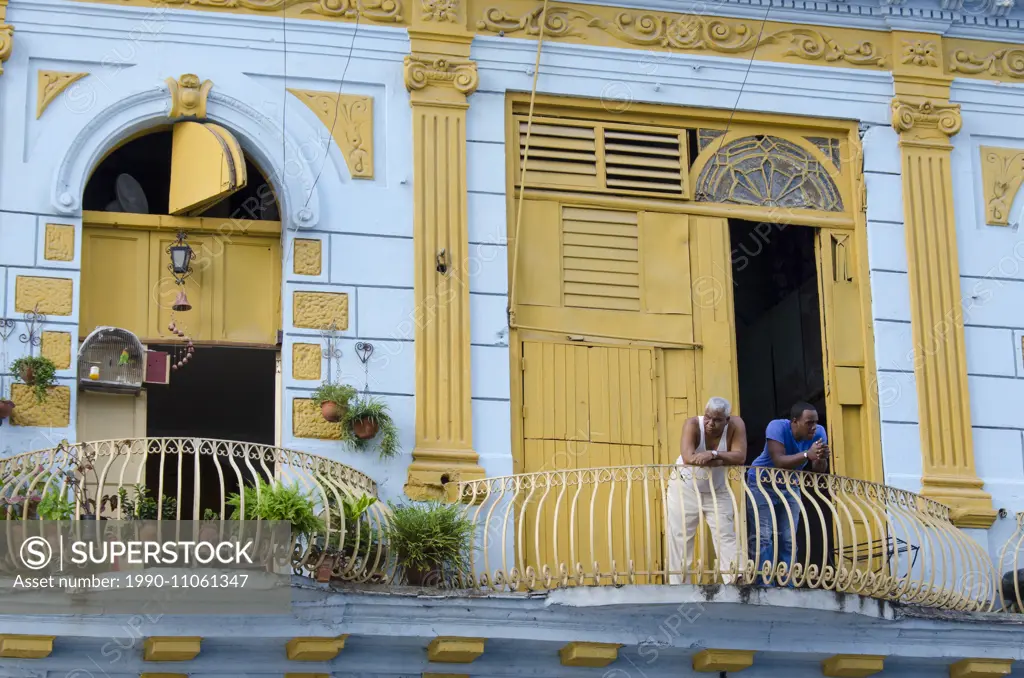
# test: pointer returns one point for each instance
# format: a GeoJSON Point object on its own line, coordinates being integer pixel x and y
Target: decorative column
{"type": "Point", "coordinates": [925, 121]}
{"type": "Point", "coordinates": [440, 77]}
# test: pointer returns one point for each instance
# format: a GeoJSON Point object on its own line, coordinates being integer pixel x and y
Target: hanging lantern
{"type": "Point", "coordinates": [181, 258]}
{"type": "Point", "coordinates": [181, 303]}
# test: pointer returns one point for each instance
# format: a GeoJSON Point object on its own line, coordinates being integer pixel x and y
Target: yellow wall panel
{"type": "Point", "coordinates": [248, 298]}
{"type": "Point", "coordinates": [665, 256]}
{"type": "Point", "coordinates": [538, 279]}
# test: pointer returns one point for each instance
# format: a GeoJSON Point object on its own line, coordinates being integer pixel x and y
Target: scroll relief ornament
{"type": "Point", "coordinates": [1000, 63]}
{"type": "Point", "coordinates": [421, 72]}
{"type": "Point", "coordinates": [1002, 171]}
{"type": "Point", "coordinates": [922, 119]}
{"type": "Point", "coordinates": [685, 32]}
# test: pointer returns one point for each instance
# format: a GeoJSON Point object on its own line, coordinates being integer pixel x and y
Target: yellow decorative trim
{"type": "Point", "coordinates": [51, 296]}
{"type": "Point", "coordinates": [708, 661]}
{"type": "Point", "coordinates": [441, 11]}
{"type": "Point", "coordinates": [925, 121]}
{"type": "Point", "coordinates": [6, 36]}
{"type": "Point", "coordinates": [315, 649]}
{"type": "Point", "coordinates": [986, 60]}
{"type": "Point", "coordinates": [980, 668]}
{"type": "Point", "coordinates": [188, 96]}
{"type": "Point", "coordinates": [307, 675]}
{"type": "Point", "coordinates": [852, 666]}
{"type": "Point", "coordinates": [171, 648]}
{"type": "Point", "coordinates": [1002, 171]}
{"type": "Point", "coordinates": [306, 360]}
{"type": "Point", "coordinates": [593, 655]}
{"type": "Point", "coordinates": [349, 117]}
{"type": "Point", "coordinates": [49, 84]}
{"type": "Point", "coordinates": [373, 11]}
{"type": "Point", "coordinates": [693, 34]}
{"type": "Point", "coordinates": [308, 422]}
{"type": "Point", "coordinates": [60, 242]}
{"type": "Point", "coordinates": [437, 73]}
{"type": "Point", "coordinates": [163, 675]}
{"type": "Point", "coordinates": [25, 647]}
{"type": "Point", "coordinates": [318, 310]}
{"type": "Point", "coordinates": [443, 675]}
{"type": "Point", "coordinates": [57, 347]}
{"type": "Point", "coordinates": [449, 650]}
{"type": "Point", "coordinates": [307, 256]}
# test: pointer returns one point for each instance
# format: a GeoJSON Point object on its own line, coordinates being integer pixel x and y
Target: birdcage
{"type": "Point", "coordinates": [111, 359]}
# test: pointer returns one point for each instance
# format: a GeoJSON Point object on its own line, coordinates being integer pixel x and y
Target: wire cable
{"type": "Point", "coordinates": [746, 74]}
{"type": "Point", "coordinates": [510, 311]}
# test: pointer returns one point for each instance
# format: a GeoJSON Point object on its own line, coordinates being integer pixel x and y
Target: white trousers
{"type": "Point", "coordinates": [686, 501]}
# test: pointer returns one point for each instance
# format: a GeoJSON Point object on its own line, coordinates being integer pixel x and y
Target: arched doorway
{"type": "Point", "coordinates": [191, 179]}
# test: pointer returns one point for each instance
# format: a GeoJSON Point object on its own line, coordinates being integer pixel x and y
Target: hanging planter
{"type": "Point", "coordinates": [365, 419]}
{"type": "Point", "coordinates": [38, 372]}
{"type": "Point", "coordinates": [333, 400]}
{"type": "Point", "coordinates": [6, 408]}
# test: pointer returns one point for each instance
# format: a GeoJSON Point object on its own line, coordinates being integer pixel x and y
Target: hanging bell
{"type": "Point", "coordinates": [181, 303]}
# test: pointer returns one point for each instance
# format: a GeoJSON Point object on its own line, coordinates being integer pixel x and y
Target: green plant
{"type": "Point", "coordinates": [376, 411]}
{"type": "Point", "coordinates": [361, 538]}
{"type": "Point", "coordinates": [339, 394]}
{"type": "Point", "coordinates": [145, 507]}
{"type": "Point", "coordinates": [278, 502]}
{"type": "Point", "coordinates": [431, 537]}
{"type": "Point", "coordinates": [44, 373]}
{"type": "Point", "coordinates": [55, 506]}
{"type": "Point", "coordinates": [210, 514]}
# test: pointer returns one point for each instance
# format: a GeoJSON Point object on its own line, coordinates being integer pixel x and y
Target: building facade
{"type": "Point", "coordinates": [544, 234]}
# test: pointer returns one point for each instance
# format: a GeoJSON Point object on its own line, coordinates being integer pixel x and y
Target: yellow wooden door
{"type": "Point", "coordinates": [116, 290]}
{"type": "Point", "coordinates": [587, 411]}
{"type": "Point", "coordinates": [207, 165]}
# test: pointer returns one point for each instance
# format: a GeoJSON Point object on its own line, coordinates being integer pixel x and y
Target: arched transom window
{"type": "Point", "coordinates": [767, 171]}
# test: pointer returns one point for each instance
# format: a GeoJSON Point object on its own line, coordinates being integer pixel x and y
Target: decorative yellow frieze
{"type": "Point", "coordinates": [925, 120]}
{"type": "Point", "coordinates": [56, 346]}
{"type": "Point", "coordinates": [188, 96]}
{"type": "Point", "coordinates": [307, 256]}
{"type": "Point", "coordinates": [306, 361]}
{"type": "Point", "coordinates": [318, 310]}
{"type": "Point", "coordinates": [49, 84]}
{"type": "Point", "coordinates": [51, 296]}
{"type": "Point", "coordinates": [171, 648]}
{"type": "Point", "coordinates": [852, 666]}
{"type": "Point", "coordinates": [988, 60]}
{"type": "Point", "coordinates": [163, 675]}
{"type": "Point", "coordinates": [592, 655]}
{"type": "Point", "coordinates": [308, 422]}
{"type": "Point", "coordinates": [688, 33]}
{"type": "Point", "coordinates": [388, 12]}
{"type": "Point", "coordinates": [315, 649]}
{"type": "Point", "coordinates": [716, 661]}
{"type": "Point", "coordinates": [60, 242]}
{"type": "Point", "coordinates": [450, 650]}
{"type": "Point", "coordinates": [1002, 170]}
{"type": "Point", "coordinates": [25, 647]}
{"type": "Point", "coordinates": [980, 668]}
{"type": "Point", "coordinates": [349, 117]}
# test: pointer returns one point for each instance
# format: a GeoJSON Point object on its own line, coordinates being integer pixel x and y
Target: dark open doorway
{"type": "Point", "coordinates": [223, 394]}
{"type": "Point", "coordinates": [779, 345]}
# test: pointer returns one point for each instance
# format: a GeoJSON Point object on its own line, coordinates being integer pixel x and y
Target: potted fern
{"type": "Point", "coordinates": [365, 419]}
{"type": "Point", "coordinates": [35, 371]}
{"type": "Point", "coordinates": [333, 400]}
{"type": "Point", "coordinates": [432, 541]}
{"type": "Point", "coordinates": [277, 501]}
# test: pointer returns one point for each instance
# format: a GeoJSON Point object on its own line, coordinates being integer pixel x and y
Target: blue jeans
{"type": "Point", "coordinates": [761, 547]}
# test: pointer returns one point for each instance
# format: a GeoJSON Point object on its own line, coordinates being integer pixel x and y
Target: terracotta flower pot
{"type": "Point", "coordinates": [417, 577]}
{"type": "Point", "coordinates": [323, 571]}
{"type": "Point", "coordinates": [332, 411]}
{"type": "Point", "coordinates": [6, 407]}
{"type": "Point", "coordinates": [28, 375]}
{"type": "Point", "coordinates": [365, 428]}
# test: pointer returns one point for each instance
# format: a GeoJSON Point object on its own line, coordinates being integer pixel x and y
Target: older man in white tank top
{"type": "Point", "coordinates": [704, 493]}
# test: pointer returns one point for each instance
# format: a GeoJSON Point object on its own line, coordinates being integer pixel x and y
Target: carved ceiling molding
{"type": "Point", "coordinates": [690, 33]}
{"type": "Point", "coordinates": [49, 85]}
{"type": "Point", "coordinates": [188, 96]}
{"type": "Point", "coordinates": [1002, 172]}
{"type": "Point", "coordinates": [925, 121]}
{"type": "Point", "coordinates": [349, 117]}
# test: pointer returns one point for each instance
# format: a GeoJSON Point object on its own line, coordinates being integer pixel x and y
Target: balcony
{"type": "Point", "coordinates": [606, 527]}
{"type": "Point", "coordinates": [199, 479]}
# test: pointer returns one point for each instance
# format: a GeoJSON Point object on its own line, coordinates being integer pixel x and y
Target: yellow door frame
{"type": "Point", "coordinates": [848, 176]}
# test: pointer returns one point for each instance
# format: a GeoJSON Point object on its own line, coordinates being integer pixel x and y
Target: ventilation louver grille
{"type": "Point", "coordinates": [600, 259]}
{"type": "Point", "coordinates": [574, 155]}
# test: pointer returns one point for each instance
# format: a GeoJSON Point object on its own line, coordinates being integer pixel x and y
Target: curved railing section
{"type": "Point", "coordinates": [772, 527]}
{"type": "Point", "coordinates": [1011, 566]}
{"type": "Point", "coordinates": [201, 479]}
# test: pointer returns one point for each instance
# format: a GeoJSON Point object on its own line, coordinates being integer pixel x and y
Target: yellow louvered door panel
{"type": "Point", "coordinates": [116, 289]}
{"type": "Point", "coordinates": [588, 407]}
{"type": "Point", "coordinates": [860, 531]}
{"type": "Point", "coordinates": [207, 165]}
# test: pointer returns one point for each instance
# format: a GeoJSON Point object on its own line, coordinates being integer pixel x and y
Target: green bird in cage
{"type": "Point", "coordinates": [124, 359]}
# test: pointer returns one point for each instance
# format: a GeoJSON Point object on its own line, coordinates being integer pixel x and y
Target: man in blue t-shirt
{"type": "Point", "coordinates": [793, 444]}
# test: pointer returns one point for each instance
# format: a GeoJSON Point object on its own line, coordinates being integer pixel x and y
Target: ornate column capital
{"type": "Point", "coordinates": [925, 121]}
{"type": "Point", "coordinates": [440, 80]}
{"type": "Point", "coordinates": [6, 35]}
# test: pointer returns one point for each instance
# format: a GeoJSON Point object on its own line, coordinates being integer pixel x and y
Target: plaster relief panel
{"type": "Point", "coordinates": [1002, 170]}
